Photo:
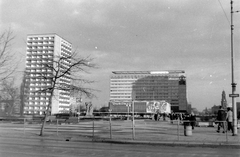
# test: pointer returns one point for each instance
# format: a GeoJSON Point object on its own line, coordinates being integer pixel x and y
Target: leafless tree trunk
{"type": "Point", "coordinates": [46, 115]}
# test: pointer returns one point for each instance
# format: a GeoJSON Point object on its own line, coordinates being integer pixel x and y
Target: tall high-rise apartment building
{"type": "Point", "coordinates": [42, 50]}
{"type": "Point", "coordinates": [170, 86]}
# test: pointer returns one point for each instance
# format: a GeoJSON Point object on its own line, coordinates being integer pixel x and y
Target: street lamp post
{"type": "Point", "coordinates": [133, 122]}
{"type": "Point", "coordinates": [233, 95]}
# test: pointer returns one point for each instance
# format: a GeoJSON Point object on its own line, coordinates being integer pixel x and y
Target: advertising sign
{"type": "Point", "coordinates": [158, 106]}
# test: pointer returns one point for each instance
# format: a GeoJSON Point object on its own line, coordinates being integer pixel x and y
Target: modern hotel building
{"type": "Point", "coordinates": [170, 86]}
{"type": "Point", "coordinates": [42, 50]}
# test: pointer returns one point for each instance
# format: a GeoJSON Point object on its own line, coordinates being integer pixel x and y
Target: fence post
{"type": "Point", "coordinates": [133, 125]}
{"type": "Point", "coordinates": [178, 129]}
{"type": "Point", "coordinates": [93, 129]}
{"type": "Point", "coordinates": [226, 130]}
{"type": "Point", "coordinates": [110, 123]}
{"type": "Point", "coordinates": [57, 127]}
{"type": "Point", "coordinates": [24, 126]}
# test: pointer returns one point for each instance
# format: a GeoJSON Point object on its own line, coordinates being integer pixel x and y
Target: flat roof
{"type": "Point", "coordinates": [149, 72]}
{"type": "Point", "coordinates": [47, 34]}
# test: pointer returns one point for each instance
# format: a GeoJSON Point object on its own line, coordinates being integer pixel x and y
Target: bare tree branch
{"type": "Point", "coordinates": [6, 56]}
{"type": "Point", "coordinates": [9, 94]}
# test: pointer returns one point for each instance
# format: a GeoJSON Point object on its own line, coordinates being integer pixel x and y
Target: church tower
{"type": "Point", "coordinates": [224, 101]}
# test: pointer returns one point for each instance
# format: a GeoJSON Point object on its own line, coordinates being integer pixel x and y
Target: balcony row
{"type": "Point", "coordinates": [44, 61]}
{"type": "Point", "coordinates": [38, 61]}
{"type": "Point", "coordinates": [39, 71]}
{"type": "Point", "coordinates": [35, 105]}
{"type": "Point", "coordinates": [40, 85]}
{"type": "Point", "coordinates": [29, 43]}
{"type": "Point", "coordinates": [40, 39]}
{"type": "Point", "coordinates": [39, 52]}
{"type": "Point", "coordinates": [31, 108]}
{"type": "Point", "coordinates": [33, 94]}
{"type": "Point", "coordinates": [31, 47]}
{"type": "Point", "coordinates": [68, 53]}
{"type": "Point", "coordinates": [38, 102]}
{"type": "Point", "coordinates": [68, 47]}
{"type": "Point", "coordinates": [39, 57]}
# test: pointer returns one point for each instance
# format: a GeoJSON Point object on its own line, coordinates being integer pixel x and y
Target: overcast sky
{"type": "Point", "coordinates": [190, 35]}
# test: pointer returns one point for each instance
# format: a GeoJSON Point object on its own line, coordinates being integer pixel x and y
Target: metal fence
{"type": "Point", "coordinates": [109, 127]}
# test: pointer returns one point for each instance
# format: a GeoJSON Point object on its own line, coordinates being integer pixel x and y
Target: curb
{"type": "Point", "coordinates": [86, 138]}
{"type": "Point", "coordinates": [172, 143]}
{"type": "Point", "coordinates": [169, 143]}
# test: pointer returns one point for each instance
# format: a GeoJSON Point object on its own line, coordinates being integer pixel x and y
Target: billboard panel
{"type": "Point", "coordinates": [158, 106]}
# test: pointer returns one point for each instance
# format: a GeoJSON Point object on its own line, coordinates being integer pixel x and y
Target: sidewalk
{"type": "Point", "coordinates": [201, 137]}
{"type": "Point", "coordinates": [146, 132]}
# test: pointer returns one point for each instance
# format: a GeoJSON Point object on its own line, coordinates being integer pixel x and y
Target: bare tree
{"type": "Point", "coordinates": [6, 55]}
{"type": "Point", "coordinates": [10, 95]}
{"type": "Point", "coordinates": [69, 67]}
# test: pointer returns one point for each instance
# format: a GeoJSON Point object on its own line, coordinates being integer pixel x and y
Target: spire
{"type": "Point", "coordinates": [224, 101]}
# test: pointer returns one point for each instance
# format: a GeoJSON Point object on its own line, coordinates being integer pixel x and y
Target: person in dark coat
{"type": "Point", "coordinates": [155, 116]}
{"type": "Point", "coordinates": [171, 117]}
{"type": "Point", "coordinates": [192, 118]}
{"type": "Point", "coordinates": [221, 117]}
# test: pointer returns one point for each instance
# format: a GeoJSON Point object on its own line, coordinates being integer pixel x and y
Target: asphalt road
{"type": "Point", "coordinates": [24, 147]}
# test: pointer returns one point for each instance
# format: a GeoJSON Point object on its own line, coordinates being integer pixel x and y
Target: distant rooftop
{"type": "Point", "coordinates": [149, 72]}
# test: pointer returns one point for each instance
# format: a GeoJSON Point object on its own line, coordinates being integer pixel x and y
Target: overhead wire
{"type": "Point", "coordinates": [224, 12]}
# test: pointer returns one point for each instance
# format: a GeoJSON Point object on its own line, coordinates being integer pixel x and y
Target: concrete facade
{"type": "Point", "coordinates": [170, 86]}
{"type": "Point", "coordinates": [43, 52]}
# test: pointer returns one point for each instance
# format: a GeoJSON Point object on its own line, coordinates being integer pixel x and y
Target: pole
{"type": "Point", "coordinates": [93, 129]}
{"type": "Point", "coordinates": [24, 120]}
{"type": "Point", "coordinates": [110, 123]}
{"type": "Point", "coordinates": [128, 105]}
{"type": "Point", "coordinates": [57, 127]}
{"type": "Point", "coordinates": [225, 128]}
{"type": "Point", "coordinates": [178, 129]}
{"type": "Point", "coordinates": [133, 125]}
{"type": "Point", "coordinates": [233, 84]}
{"type": "Point", "coordinates": [79, 113]}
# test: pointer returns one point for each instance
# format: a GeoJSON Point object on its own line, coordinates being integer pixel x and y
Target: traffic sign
{"type": "Point", "coordinates": [233, 95]}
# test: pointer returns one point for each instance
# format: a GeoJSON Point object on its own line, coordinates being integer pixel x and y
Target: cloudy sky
{"type": "Point", "coordinates": [190, 35]}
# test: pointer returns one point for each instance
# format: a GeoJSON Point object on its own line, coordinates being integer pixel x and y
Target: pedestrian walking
{"type": "Point", "coordinates": [180, 116]}
{"type": "Point", "coordinates": [156, 116]}
{"type": "Point", "coordinates": [192, 119]}
{"type": "Point", "coordinates": [164, 116]}
{"type": "Point", "coordinates": [171, 117]}
{"type": "Point", "coordinates": [221, 117]}
{"type": "Point", "coordinates": [229, 119]}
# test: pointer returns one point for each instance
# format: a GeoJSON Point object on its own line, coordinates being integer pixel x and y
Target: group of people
{"type": "Point", "coordinates": [222, 118]}
{"type": "Point", "coordinates": [157, 116]}
{"type": "Point", "coordinates": [190, 118]}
